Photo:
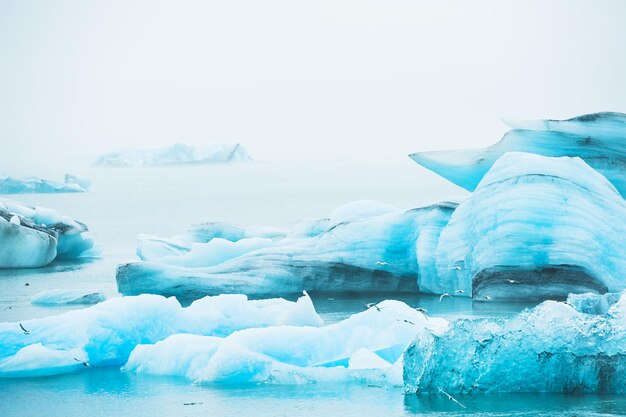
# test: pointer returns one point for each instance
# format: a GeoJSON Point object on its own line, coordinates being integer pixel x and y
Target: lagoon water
{"type": "Point", "coordinates": [124, 203]}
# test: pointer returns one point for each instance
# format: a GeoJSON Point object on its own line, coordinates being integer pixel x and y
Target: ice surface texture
{"type": "Point", "coordinates": [106, 333]}
{"type": "Point", "coordinates": [366, 347]}
{"type": "Point", "coordinates": [551, 348]}
{"type": "Point", "coordinates": [210, 153]}
{"type": "Point", "coordinates": [31, 237]}
{"type": "Point", "coordinates": [535, 227]}
{"type": "Point", "coordinates": [599, 139]}
{"type": "Point", "coordinates": [364, 247]}
{"type": "Point", "coordinates": [27, 185]}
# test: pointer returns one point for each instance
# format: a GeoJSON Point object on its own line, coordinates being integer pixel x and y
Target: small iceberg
{"type": "Point", "coordinates": [30, 185]}
{"type": "Point", "coordinates": [211, 153]}
{"type": "Point", "coordinates": [32, 237]}
{"type": "Point", "coordinates": [64, 297]}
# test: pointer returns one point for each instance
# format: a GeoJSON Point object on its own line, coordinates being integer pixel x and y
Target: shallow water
{"type": "Point", "coordinates": [124, 203]}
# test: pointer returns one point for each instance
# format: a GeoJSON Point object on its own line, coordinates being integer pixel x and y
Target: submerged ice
{"type": "Point", "coordinates": [31, 237]}
{"type": "Point", "coordinates": [179, 153]}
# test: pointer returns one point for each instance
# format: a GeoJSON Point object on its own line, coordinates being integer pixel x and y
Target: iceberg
{"type": "Point", "coordinates": [105, 334]}
{"type": "Point", "coordinates": [28, 185]}
{"type": "Point", "coordinates": [599, 139]}
{"type": "Point", "coordinates": [367, 347]}
{"type": "Point", "coordinates": [82, 182]}
{"type": "Point", "coordinates": [535, 228]}
{"type": "Point", "coordinates": [551, 348]}
{"type": "Point", "coordinates": [363, 247]}
{"type": "Point", "coordinates": [35, 236]}
{"type": "Point", "coordinates": [210, 153]}
{"type": "Point", "coordinates": [590, 303]}
{"type": "Point", "coordinates": [58, 297]}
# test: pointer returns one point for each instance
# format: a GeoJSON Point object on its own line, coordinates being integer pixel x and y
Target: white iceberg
{"type": "Point", "coordinates": [551, 348]}
{"type": "Point", "coordinates": [58, 297]}
{"type": "Point", "coordinates": [82, 182]}
{"type": "Point", "coordinates": [106, 333]}
{"type": "Point", "coordinates": [210, 153]}
{"type": "Point", "coordinates": [29, 185]}
{"type": "Point", "coordinates": [34, 236]}
{"type": "Point", "coordinates": [599, 139]}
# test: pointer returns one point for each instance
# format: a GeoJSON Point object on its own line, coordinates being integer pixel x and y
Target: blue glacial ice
{"type": "Point", "coordinates": [590, 303]}
{"type": "Point", "coordinates": [28, 185]}
{"type": "Point", "coordinates": [210, 153]}
{"type": "Point", "coordinates": [364, 246]}
{"type": "Point", "coordinates": [599, 139]}
{"type": "Point", "coordinates": [551, 348]}
{"type": "Point", "coordinates": [365, 348]}
{"type": "Point", "coordinates": [82, 182]}
{"type": "Point", "coordinates": [105, 334]}
{"type": "Point", "coordinates": [535, 227]}
{"type": "Point", "coordinates": [66, 297]}
{"type": "Point", "coordinates": [34, 236]}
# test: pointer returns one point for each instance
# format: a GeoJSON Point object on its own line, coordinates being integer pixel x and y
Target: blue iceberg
{"type": "Point", "coordinates": [535, 227]}
{"type": "Point", "coordinates": [29, 185]}
{"type": "Point", "coordinates": [105, 334]}
{"type": "Point", "coordinates": [35, 236]}
{"type": "Point", "coordinates": [364, 246]}
{"type": "Point", "coordinates": [210, 153]}
{"type": "Point", "coordinates": [599, 139]}
{"type": "Point", "coordinates": [551, 348]}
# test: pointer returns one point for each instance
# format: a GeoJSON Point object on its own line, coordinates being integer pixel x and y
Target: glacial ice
{"type": "Point", "coordinates": [106, 333]}
{"type": "Point", "coordinates": [551, 348]}
{"type": "Point", "coordinates": [83, 182]}
{"type": "Point", "coordinates": [537, 228]}
{"type": "Point", "coordinates": [210, 153]}
{"type": "Point", "coordinates": [56, 297]}
{"type": "Point", "coordinates": [599, 139]}
{"type": "Point", "coordinates": [28, 185]}
{"type": "Point", "coordinates": [590, 303]}
{"type": "Point", "coordinates": [39, 236]}
{"type": "Point", "coordinates": [363, 247]}
{"type": "Point", "coordinates": [365, 347]}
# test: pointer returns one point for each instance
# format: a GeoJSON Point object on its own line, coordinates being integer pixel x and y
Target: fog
{"type": "Point", "coordinates": [296, 80]}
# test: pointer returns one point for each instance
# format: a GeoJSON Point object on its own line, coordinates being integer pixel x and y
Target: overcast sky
{"type": "Point", "coordinates": [297, 79]}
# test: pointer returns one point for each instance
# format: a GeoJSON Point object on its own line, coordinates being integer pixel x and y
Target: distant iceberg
{"type": "Point", "coordinates": [28, 185]}
{"type": "Point", "coordinates": [551, 348]}
{"type": "Point", "coordinates": [364, 246]}
{"type": "Point", "coordinates": [32, 237]}
{"type": "Point", "coordinates": [599, 139]}
{"type": "Point", "coordinates": [211, 153]}
{"type": "Point", "coordinates": [67, 297]}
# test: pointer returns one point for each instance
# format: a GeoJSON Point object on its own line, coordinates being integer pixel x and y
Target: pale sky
{"type": "Point", "coordinates": [294, 79]}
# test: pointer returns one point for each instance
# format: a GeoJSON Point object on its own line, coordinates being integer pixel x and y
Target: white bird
{"type": "Point", "coordinates": [87, 364]}
{"type": "Point", "coordinates": [450, 397]}
{"type": "Point", "coordinates": [487, 297]}
{"type": "Point", "coordinates": [380, 263]}
{"type": "Point", "coordinates": [445, 294]}
{"type": "Point", "coordinates": [459, 291]}
{"type": "Point", "coordinates": [458, 268]}
{"type": "Point", "coordinates": [370, 305]}
{"type": "Point", "coordinates": [24, 330]}
{"type": "Point", "coordinates": [512, 281]}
